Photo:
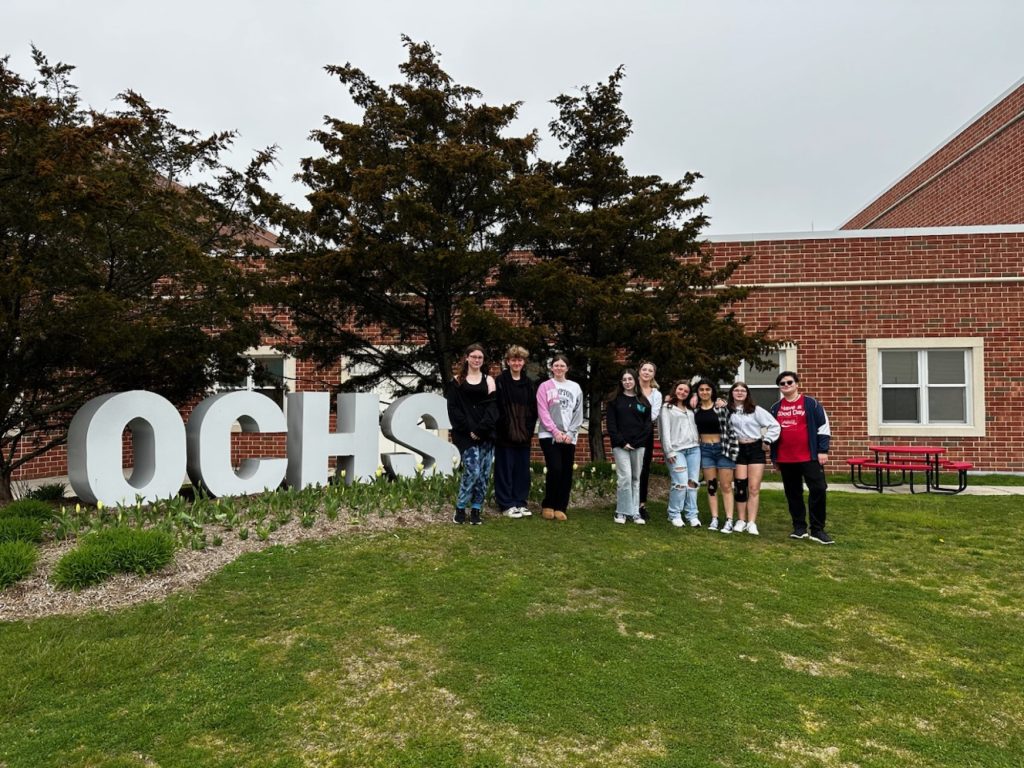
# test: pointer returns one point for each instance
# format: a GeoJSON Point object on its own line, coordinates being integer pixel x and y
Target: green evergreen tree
{"type": "Point", "coordinates": [114, 275]}
{"type": "Point", "coordinates": [618, 272]}
{"type": "Point", "coordinates": [400, 240]}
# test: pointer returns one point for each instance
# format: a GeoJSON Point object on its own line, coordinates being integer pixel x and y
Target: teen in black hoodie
{"type": "Point", "coordinates": [517, 418]}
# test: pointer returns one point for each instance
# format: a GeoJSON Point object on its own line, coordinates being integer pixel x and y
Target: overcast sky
{"type": "Point", "coordinates": [797, 112]}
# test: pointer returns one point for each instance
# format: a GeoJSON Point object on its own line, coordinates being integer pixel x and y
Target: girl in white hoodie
{"type": "Point", "coordinates": [680, 444]}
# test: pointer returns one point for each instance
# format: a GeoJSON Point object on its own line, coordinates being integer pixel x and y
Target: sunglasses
{"type": "Point", "coordinates": [786, 383]}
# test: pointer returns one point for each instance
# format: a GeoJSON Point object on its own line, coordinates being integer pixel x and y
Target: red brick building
{"type": "Point", "coordinates": [910, 335]}
{"type": "Point", "coordinates": [907, 322]}
{"type": "Point", "coordinates": [975, 177]}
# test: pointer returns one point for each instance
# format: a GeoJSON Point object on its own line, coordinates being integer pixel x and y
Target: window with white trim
{"type": "Point", "coordinates": [269, 372]}
{"type": "Point", "coordinates": [926, 386]}
{"type": "Point", "coordinates": [761, 381]}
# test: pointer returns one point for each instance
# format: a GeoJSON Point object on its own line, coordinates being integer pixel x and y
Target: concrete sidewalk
{"type": "Point", "coordinates": [970, 490]}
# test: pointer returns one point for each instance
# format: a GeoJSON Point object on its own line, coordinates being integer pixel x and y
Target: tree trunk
{"type": "Point", "coordinates": [596, 435]}
{"type": "Point", "coordinates": [6, 491]}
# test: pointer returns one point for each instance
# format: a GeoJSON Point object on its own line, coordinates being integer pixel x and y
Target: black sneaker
{"type": "Point", "coordinates": [460, 516]}
{"type": "Point", "coordinates": [474, 517]}
{"type": "Point", "coordinates": [822, 538]}
{"type": "Point", "coordinates": [643, 513]}
{"type": "Point", "coordinates": [798, 534]}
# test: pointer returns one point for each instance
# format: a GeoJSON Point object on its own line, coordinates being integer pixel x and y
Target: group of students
{"type": "Point", "coordinates": [493, 421]}
{"type": "Point", "coordinates": [723, 439]}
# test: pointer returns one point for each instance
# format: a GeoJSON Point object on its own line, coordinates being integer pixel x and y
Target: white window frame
{"type": "Point", "coordinates": [265, 352]}
{"type": "Point", "coordinates": [385, 391]}
{"type": "Point", "coordinates": [788, 364]}
{"type": "Point", "coordinates": [975, 426]}
{"type": "Point", "coordinates": [386, 394]}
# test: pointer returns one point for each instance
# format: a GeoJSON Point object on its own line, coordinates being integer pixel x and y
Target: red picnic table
{"type": "Point", "coordinates": [906, 460]}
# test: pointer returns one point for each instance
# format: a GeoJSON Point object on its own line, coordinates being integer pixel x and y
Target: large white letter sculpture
{"type": "Point", "coordinates": [209, 444]}
{"type": "Point", "coordinates": [95, 467]}
{"type": "Point", "coordinates": [162, 452]}
{"type": "Point", "coordinates": [401, 424]}
{"type": "Point", "coordinates": [311, 442]}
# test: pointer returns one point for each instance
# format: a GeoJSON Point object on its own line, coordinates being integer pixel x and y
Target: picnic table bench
{"type": "Point", "coordinates": [894, 465]}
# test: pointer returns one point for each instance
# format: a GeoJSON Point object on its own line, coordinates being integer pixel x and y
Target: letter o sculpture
{"type": "Point", "coordinates": [94, 449]}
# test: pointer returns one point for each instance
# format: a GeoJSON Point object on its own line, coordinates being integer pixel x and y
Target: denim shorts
{"type": "Point", "coordinates": [711, 457]}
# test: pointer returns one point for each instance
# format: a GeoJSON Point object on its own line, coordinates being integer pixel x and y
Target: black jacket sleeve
{"type": "Point", "coordinates": [457, 413]}
{"type": "Point", "coordinates": [612, 417]}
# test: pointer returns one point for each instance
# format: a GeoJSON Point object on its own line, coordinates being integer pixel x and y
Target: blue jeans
{"type": "Point", "coordinates": [628, 466]}
{"type": "Point", "coordinates": [681, 497]}
{"type": "Point", "coordinates": [476, 473]}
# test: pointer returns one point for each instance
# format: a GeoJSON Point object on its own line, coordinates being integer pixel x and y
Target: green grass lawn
{"type": "Point", "coordinates": [528, 643]}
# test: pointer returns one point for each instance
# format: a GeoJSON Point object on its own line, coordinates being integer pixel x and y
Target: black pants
{"type": "Point", "coordinates": [511, 476]}
{"type": "Point", "coordinates": [645, 468]}
{"type": "Point", "coordinates": [558, 458]}
{"type": "Point", "coordinates": [793, 478]}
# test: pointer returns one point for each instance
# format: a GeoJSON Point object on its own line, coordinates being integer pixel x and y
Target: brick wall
{"type": "Point", "coordinates": [829, 323]}
{"type": "Point", "coordinates": [975, 178]}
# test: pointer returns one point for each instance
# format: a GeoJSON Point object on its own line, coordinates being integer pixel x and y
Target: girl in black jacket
{"type": "Point", "coordinates": [629, 426]}
{"type": "Point", "coordinates": [473, 412]}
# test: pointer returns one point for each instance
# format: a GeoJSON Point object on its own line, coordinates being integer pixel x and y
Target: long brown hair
{"type": "Point", "coordinates": [670, 398]}
{"type": "Point", "coordinates": [464, 368]}
{"type": "Point", "coordinates": [709, 383]}
{"type": "Point", "coordinates": [620, 390]}
{"type": "Point", "coordinates": [749, 406]}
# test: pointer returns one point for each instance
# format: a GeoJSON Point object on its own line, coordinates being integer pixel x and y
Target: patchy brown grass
{"type": "Point", "coordinates": [387, 694]}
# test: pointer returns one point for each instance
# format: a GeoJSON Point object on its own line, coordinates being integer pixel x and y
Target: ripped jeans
{"type": "Point", "coordinates": [682, 497]}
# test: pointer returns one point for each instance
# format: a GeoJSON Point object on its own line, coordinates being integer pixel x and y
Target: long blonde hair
{"type": "Point", "coordinates": [654, 381]}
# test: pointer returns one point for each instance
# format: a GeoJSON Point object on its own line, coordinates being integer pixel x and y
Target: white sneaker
{"type": "Point", "coordinates": [752, 529]}
{"type": "Point", "coordinates": [714, 524]}
{"type": "Point", "coordinates": [513, 512]}
{"type": "Point", "coordinates": [677, 521]}
{"type": "Point", "coordinates": [525, 512]}
{"type": "Point", "coordinates": [695, 522]}
{"type": "Point", "coordinates": [620, 519]}
{"type": "Point", "coordinates": [727, 528]}
{"type": "Point", "coordinates": [740, 527]}
{"type": "Point", "coordinates": [639, 520]}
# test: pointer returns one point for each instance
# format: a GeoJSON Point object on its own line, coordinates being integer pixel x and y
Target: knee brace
{"type": "Point", "coordinates": [741, 489]}
{"type": "Point", "coordinates": [712, 486]}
